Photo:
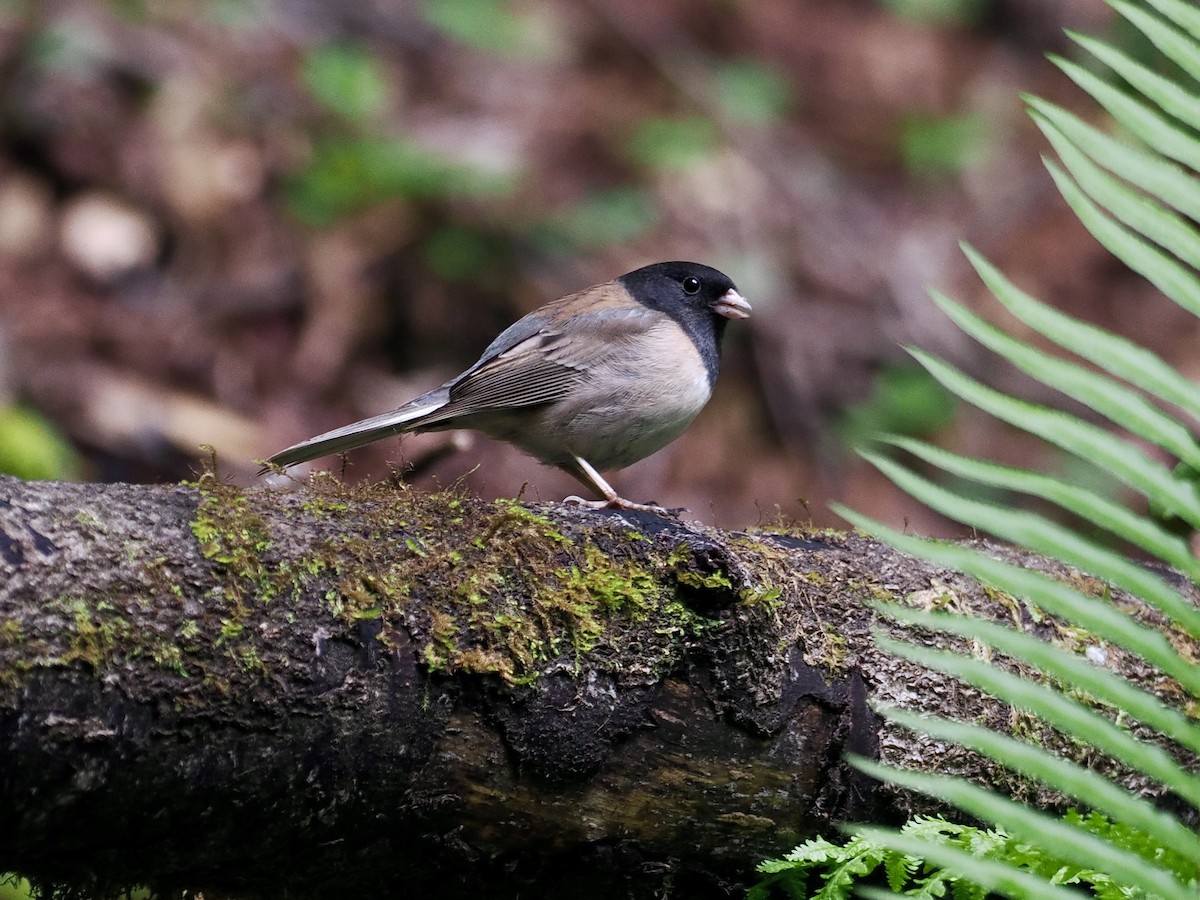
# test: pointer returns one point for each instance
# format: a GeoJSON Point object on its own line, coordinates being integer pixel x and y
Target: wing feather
{"type": "Point", "coordinates": [544, 366]}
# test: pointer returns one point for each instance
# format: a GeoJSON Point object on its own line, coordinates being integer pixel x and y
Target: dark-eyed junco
{"type": "Point", "coordinates": [595, 380]}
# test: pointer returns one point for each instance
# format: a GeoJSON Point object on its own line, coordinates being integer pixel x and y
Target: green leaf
{"type": "Point", "coordinates": [1161, 270]}
{"type": "Point", "coordinates": [995, 876]}
{"type": "Point", "coordinates": [937, 12]}
{"type": "Point", "coordinates": [1122, 460]}
{"type": "Point", "coordinates": [1165, 180]}
{"type": "Point", "coordinates": [1116, 402]}
{"type": "Point", "coordinates": [346, 80]}
{"type": "Point", "coordinates": [1084, 785]}
{"type": "Point", "coordinates": [1055, 597]}
{"type": "Point", "coordinates": [904, 399]}
{"type": "Point", "coordinates": [1113, 353]}
{"type": "Point", "coordinates": [456, 253]}
{"type": "Point", "coordinates": [1174, 44]}
{"type": "Point", "coordinates": [611, 216]}
{"type": "Point", "coordinates": [1168, 230]}
{"type": "Point", "coordinates": [1169, 96]}
{"type": "Point", "coordinates": [751, 92]}
{"type": "Point", "coordinates": [943, 145]}
{"type": "Point", "coordinates": [1184, 868]}
{"type": "Point", "coordinates": [898, 866]}
{"type": "Point", "coordinates": [1096, 509]}
{"type": "Point", "coordinates": [1067, 715]}
{"type": "Point", "coordinates": [487, 25]}
{"type": "Point", "coordinates": [347, 174]}
{"type": "Point", "coordinates": [1048, 538]}
{"type": "Point", "coordinates": [858, 859]}
{"type": "Point", "coordinates": [1136, 116]}
{"type": "Point", "coordinates": [673, 143]}
{"type": "Point", "coordinates": [33, 449]}
{"type": "Point", "coordinates": [1072, 671]}
{"type": "Point", "coordinates": [1071, 844]}
{"type": "Point", "coordinates": [816, 850]}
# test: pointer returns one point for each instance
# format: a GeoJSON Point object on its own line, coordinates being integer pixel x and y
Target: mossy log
{"type": "Point", "coordinates": [370, 692]}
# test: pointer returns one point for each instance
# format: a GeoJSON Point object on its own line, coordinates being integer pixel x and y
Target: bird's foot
{"type": "Point", "coordinates": [621, 503]}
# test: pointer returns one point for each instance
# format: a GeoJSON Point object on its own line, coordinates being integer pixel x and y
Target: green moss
{"type": "Point", "coordinates": [526, 594]}
{"type": "Point", "coordinates": [99, 634]}
{"type": "Point", "coordinates": [247, 658]}
{"type": "Point", "coordinates": [12, 635]}
{"type": "Point", "coordinates": [834, 650]}
{"type": "Point", "coordinates": [442, 646]}
{"type": "Point", "coordinates": [511, 515]}
{"type": "Point", "coordinates": [170, 657]}
{"type": "Point", "coordinates": [324, 501]}
{"type": "Point", "coordinates": [683, 564]}
{"type": "Point", "coordinates": [87, 520]}
{"type": "Point", "coordinates": [610, 586]}
{"type": "Point", "coordinates": [232, 535]}
{"type": "Point", "coordinates": [502, 592]}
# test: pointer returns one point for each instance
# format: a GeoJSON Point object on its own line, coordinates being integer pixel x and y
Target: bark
{"type": "Point", "coordinates": [375, 691]}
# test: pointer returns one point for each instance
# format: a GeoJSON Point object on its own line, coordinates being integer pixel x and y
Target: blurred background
{"type": "Point", "coordinates": [242, 222]}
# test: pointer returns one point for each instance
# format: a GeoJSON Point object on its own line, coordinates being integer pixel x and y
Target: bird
{"type": "Point", "coordinates": [592, 381]}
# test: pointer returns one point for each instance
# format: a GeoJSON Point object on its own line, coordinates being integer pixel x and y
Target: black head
{"type": "Point", "coordinates": [701, 299]}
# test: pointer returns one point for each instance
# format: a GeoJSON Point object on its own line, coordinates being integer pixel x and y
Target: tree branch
{"type": "Point", "coordinates": [356, 690]}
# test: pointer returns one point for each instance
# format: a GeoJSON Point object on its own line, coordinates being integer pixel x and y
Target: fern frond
{"type": "Point", "coordinates": [1072, 844]}
{"type": "Point", "coordinates": [1174, 43]}
{"type": "Point", "coordinates": [1170, 97]}
{"type": "Point", "coordinates": [1058, 541]}
{"type": "Point", "coordinates": [1119, 404]}
{"type": "Point", "coordinates": [1096, 509]}
{"type": "Point", "coordinates": [1053, 596]}
{"type": "Point", "coordinates": [1152, 128]}
{"type": "Point", "coordinates": [1119, 458]}
{"type": "Point", "coordinates": [1071, 670]}
{"type": "Point", "coordinates": [1160, 269]}
{"type": "Point", "coordinates": [1140, 198]}
{"type": "Point", "coordinates": [1158, 177]}
{"type": "Point", "coordinates": [1115, 354]}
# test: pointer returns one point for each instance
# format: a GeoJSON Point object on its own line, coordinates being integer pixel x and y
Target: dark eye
{"type": "Point", "coordinates": [691, 284]}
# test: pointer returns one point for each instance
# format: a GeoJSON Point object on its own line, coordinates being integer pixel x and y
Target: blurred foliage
{"type": "Point", "coordinates": [949, 12]}
{"type": "Point", "coordinates": [456, 253]}
{"type": "Point", "coordinates": [359, 163]}
{"type": "Point", "coordinates": [608, 216]}
{"type": "Point", "coordinates": [933, 146]}
{"type": "Point", "coordinates": [608, 127]}
{"type": "Point", "coordinates": [752, 92]}
{"type": "Point", "coordinates": [672, 142]}
{"type": "Point", "coordinates": [488, 25]}
{"type": "Point", "coordinates": [905, 399]}
{"type": "Point", "coordinates": [347, 174]}
{"type": "Point", "coordinates": [66, 47]}
{"type": "Point", "coordinates": [347, 81]}
{"type": "Point", "coordinates": [32, 449]}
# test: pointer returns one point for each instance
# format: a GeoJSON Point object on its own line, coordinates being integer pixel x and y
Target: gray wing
{"type": "Point", "coordinates": [541, 362]}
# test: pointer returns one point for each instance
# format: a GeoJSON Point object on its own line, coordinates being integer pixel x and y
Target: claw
{"type": "Point", "coordinates": [621, 503]}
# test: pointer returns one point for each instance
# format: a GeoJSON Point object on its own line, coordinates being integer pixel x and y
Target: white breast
{"type": "Point", "coordinates": [628, 413]}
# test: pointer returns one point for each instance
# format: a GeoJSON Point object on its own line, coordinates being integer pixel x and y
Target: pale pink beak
{"type": "Point", "coordinates": [731, 305]}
